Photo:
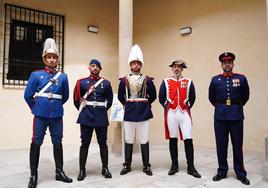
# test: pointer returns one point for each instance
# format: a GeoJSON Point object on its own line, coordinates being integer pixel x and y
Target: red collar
{"type": "Point", "coordinates": [227, 74]}
{"type": "Point", "coordinates": [50, 71]}
{"type": "Point", "coordinates": [94, 78]}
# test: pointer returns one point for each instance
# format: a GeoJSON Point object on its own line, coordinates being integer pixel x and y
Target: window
{"type": "Point", "coordinates": [20, 33]}
{"type": "Point", "coordinates": [25, 32]}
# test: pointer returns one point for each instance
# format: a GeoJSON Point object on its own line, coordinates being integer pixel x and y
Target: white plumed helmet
{"type": "Point", "coordinates": [135, 54]}
{"type": "Point", "coordinates": [50, 47]}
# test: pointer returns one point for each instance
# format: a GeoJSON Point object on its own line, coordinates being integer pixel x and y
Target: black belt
{"type": "Point", "coordinates": [229, 102]}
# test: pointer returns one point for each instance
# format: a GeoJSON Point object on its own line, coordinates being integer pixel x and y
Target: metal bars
{"type": "Point", "coordinates": [25, 31]}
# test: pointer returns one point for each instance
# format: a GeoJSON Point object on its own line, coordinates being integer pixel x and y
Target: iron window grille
{"type": "Point", "coordinates": [24, 35]}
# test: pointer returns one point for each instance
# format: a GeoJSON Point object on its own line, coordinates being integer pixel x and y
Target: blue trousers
{"type": "Point", "coordinates": [40, 125]}
{"type": "Point", "coordinates": [222, 131]}
{"type": "Point", "coordinates": [86, 135]}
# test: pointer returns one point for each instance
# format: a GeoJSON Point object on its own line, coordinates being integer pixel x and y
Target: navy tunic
{"type": "Point", "coordinates": [234, 88]}
{"type": "Point", "coordinates": [94, 116]}
{"type": "Point", "coordinates": [137, 111]}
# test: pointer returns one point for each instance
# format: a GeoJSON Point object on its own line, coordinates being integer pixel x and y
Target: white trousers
{"type": "Point", "coordinates": [176, 119]}
{"type": "Point", "coordinates": [140, 128]}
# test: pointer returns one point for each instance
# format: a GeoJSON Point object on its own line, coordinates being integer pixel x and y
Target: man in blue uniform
{"type": "Point", "coordinates": [46, 92]}
{"type": "Point", "coordinates": [93, 96]}
{"type": "Point", "coordinates": [228, 93]}
{"type": "Point", "coordinates": [136, 92]}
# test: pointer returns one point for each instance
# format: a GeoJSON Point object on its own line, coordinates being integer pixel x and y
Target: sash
{"type": "Point", "coordinates": [83, 102]}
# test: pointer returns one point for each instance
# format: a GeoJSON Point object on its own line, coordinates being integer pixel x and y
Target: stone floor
{"type": "Point", "coordinates": [15, 169]}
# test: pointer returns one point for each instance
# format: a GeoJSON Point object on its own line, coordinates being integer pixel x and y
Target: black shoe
{"type": "Point", "coordinates": [244, 180]}
{"type": "Point", "coordinates": [217, 177]}
{"type": "Point", "coordinates": [147, 170]}
{"type": "Point", "coordinates": [192, 171]}
{"type": "Point", "coordinates": [82, 175]}
{"type": "Point", "coordinates": [60, 176]}
{"type": "Point", "coordinates": [33, 182]}
{"type": "Point", "coordinates": [105, 172]}
{"type": "Point", "coordinates": [125, 170]}
{"type": "Point", "coordinates": [173, 171]}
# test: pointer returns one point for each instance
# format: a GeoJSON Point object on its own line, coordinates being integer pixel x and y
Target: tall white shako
{"type": "Point", "coordinates": [136, 87]}
{"type": "Point", "coordinates": [50, 47]}
{"type": "Point", "coordinates": [135, 54]}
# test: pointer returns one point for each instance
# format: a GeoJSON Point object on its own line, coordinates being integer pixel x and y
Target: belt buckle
{"type": "Point", "coordinates": [95, 103]}
{"type": "Point", "coordinates": [50, 95]}
{"type": "Point", "coordinates": [228, 102]}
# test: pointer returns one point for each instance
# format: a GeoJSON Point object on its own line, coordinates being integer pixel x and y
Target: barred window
{"type": "Point", "coordinates": [25, 32]}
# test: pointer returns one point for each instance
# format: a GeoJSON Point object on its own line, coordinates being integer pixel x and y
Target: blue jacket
{"type": "Point", "coordinates": [43, 106]}
{"type": "Point", "coordinates": [137, 111]}
{"type": "Point", "coordinates": [234, 88]}
{"type": "Point", "coordinates": [90, 115]}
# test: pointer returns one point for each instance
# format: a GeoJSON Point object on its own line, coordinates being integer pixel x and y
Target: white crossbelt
{"type": "Point", "coordinates": [49, 95]}
{"type": "Point", "coordinates": [96, 103]}
{"type": "Point", "coordinates": [51, 81]}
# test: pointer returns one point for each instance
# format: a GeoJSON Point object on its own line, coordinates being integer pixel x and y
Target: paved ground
{"type": "Point", "coordinates": [15, 170]}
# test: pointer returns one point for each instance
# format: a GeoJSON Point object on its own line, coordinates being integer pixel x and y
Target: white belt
{"type": "Point", "coordinates": [97, 103]}
{"type": "Point", "coordinates": [49, 95]}
{"type": "Point", "coordinates": [137, 100]}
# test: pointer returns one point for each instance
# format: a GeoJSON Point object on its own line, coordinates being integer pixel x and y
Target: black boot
{"type": "Point", "coordinates": [104, 159]}
{"type": "Point", "coordinates": [58, 157]}
{"type": "Point", "coordinates": [145, 159]}
{"type": "Point", "coordinates": [82, 162]}
{"type": "Point", "coordinates": [173, 149]}
{"type": "Point", "coordinates": [189, 152]}
{"type": "Point", "coordinates": [128, 159]}
{"type": "Point", "coordinates": [81, 175]}
{"type": "Point", "coordinates": [34, 161]}
{"type": "Point", "coordinates": [33, 181]}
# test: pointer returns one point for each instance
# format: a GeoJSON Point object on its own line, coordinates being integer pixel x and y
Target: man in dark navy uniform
{"type": "Point", "coordinates": [93, 96]}
{"type": "Point", "coordinates": [228, 93]}
{"type": "Point", "coordinates": [46, 92]}
{"type": "Point", "coordinates": [136, 92]}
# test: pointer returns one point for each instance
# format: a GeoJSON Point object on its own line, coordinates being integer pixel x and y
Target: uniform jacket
{"type": "Point", "coordinates": [179, 93]}
{"type": "Point", "coordinates": [43, 106]}
{"type": "Point", "coordinates": [137, 111]}
{"type": "Point", "coordinates": [90, 115]}
{"type": "Point", "coordinates": [234, 87]}
{"type": "Point", "coordinates": [174, 94]}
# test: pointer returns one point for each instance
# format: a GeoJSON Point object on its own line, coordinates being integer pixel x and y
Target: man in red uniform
{"type": "Point", "coordinates": [177, 96]}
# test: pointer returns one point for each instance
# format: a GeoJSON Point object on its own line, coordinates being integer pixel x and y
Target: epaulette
{"type": "Point", "coordinates": [103, 78]}
{"type": "Point", "coordinates": [39, 70]}
{"type": "Point", "coordinates": [122, 78]}
{"type": "Point", "coordinates": [186, 78]}
{"type": "Point", "coordinates": [151, 78]}
{"type": "Point", "coordinates": [239, 74]}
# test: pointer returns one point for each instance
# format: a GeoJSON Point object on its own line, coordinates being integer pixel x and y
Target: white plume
{"type": "Point", "coordinates": [50, 47]}
{"type": "Point", "coordinates": [135, 54]}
